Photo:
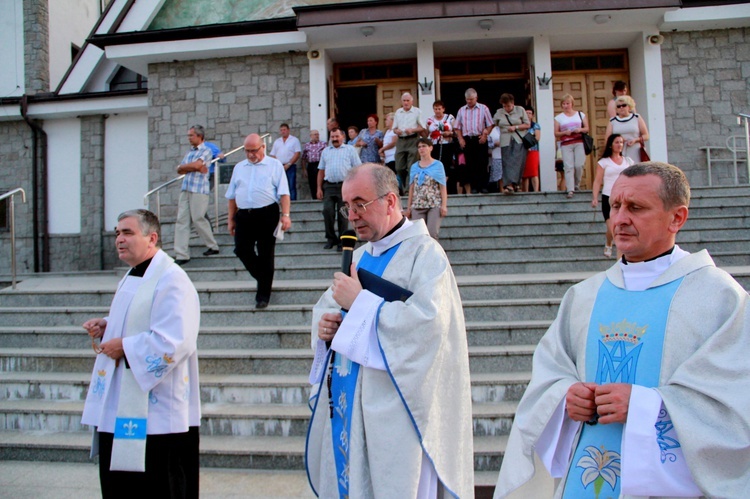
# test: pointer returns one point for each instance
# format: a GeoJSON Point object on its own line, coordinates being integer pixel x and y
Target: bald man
{"type": "Point", "coordinates": [257, 188]}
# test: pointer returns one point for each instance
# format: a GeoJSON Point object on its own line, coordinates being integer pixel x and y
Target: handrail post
{"type": "Point", "coordinates": [217, 171]}
{"type": "Point", "coordinates": [12, 210]}
{"type": "Point", "coordinates": [13, 241]}
{"type": "Point", "coordinates": [158, 205]}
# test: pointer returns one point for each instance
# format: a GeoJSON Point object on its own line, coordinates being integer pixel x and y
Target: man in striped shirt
{"type": "Point", "coordinates": [310, 158]}
{"type": "Point", "coordinates": [335, 161]}
{"type": "Point", "coordinates": [193, 203]}
{"type": "Point", "coordinates": [473, 125]}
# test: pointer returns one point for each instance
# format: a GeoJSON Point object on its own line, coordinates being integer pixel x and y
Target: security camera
{"type": "Point", "coordinates": [655, 40]}
{"type": "Point", "coordinates": [313, 54]}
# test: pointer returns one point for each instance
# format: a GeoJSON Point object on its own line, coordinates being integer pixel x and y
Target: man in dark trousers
{"type": "Point", "coordinates": [258, 186]}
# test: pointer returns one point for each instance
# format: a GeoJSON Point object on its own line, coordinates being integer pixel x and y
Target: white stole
{"type": "Point", "coordinates": [129, 444]}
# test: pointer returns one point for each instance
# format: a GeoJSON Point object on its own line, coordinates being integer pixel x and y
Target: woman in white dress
{"type": "Point", "coordinates": [630, 125]}
{"type": "Point", "coordinates": [611, 164]}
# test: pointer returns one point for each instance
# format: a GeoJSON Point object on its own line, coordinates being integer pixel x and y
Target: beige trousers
{"type": "Point", "coordinates": [191, 206]}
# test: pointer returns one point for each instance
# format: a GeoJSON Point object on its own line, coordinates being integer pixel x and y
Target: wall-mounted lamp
{"type": "Point", "coordinates": [543, 81]}
{"type": "Point", "coordinates": [486, 24]}
{"type": "Point", "coordinates": [602, 18]}
{"type": "Point", "coordinates": [367, 30]}
{"type": "Point", "coordinates": [425, 87]}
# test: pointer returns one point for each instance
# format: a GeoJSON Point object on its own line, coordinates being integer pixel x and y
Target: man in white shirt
{"type": "Point", "coordinates": [257, 188]}
{"type": "Point", "coordinates": [144, 398]}
{"type": "Point", "coordinates": [407, 124]}
{"type": "Point", "coordinates": [287, 149]}
{"type": "Point", "coordinates": [639, 387]}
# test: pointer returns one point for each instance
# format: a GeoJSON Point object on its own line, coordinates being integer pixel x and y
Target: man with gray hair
{"type": "Point", "coordinates": [193, 201]}
{"type": "Point", "coordinates": [143, 402]}
{"type": "Point", "coordinates": [394, 386]}
{"type": "Point", "coordinates": [639, 386]}
{"type": "Point", "coordinates": [473, 125]}
{"type": "Point", "coordinates": [407, 125]}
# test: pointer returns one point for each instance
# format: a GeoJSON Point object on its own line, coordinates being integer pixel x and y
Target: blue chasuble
{"type": "Point", "coordinates": [343, 384]}
{"type": "Point", "coordinates": [624, 345]}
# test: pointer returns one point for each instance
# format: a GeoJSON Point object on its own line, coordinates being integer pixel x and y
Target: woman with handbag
{"type": "Point", "coordinates": [631, 126]}
{"type": "Point", "coordinates": [570, 125]}
{"type": "Point", "coordinates": [513, 123]}
{"type": "Point", "coordinates": [611, 164]}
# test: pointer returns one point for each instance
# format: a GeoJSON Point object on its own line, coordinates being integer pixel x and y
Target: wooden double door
{"type": "Point", "coordinates": [591, 93]}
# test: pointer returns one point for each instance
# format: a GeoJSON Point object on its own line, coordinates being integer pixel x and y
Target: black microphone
{"type": "Point", "coordinates": [348, 241]}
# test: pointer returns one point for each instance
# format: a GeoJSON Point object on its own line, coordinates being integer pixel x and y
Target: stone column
{"type": "Point", "coordinates": [36, 43]}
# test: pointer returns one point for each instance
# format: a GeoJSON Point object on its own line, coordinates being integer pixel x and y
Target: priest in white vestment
{"type": "Point", "coordinates": [144, 399]}
{"type": "Point", "coordinates": [391, 399]}
{"type": "Point", "coordinates": [640, 388]}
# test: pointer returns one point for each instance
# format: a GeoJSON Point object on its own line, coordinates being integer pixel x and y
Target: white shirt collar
{"type": "Point", "coordinates": [638, 276]}
{"type": "Point", "coordinates": [381, 246]}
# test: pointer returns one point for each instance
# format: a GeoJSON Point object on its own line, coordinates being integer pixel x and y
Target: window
{"type": "Point", "coordinates": [126, 79]}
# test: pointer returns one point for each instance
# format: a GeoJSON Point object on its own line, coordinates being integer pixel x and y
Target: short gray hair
{"type": "Point", "coordinates": [675, 189]}
{"type": "Point", "coordinates": [470, 92]}
{"type": "Point", "coordinates": [146, 220]}
{"type": "Point", "coordinates": [199, 131]}
{"type": "Point", "coordinates": [383, 177]}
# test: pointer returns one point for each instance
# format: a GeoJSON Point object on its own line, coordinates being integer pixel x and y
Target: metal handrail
{"type": "Point", "coordinates": [11, 195]}
{"type": "Point", "coordinates": [158, 189]}
{"type": "Point", "coordinates": [746, 118]}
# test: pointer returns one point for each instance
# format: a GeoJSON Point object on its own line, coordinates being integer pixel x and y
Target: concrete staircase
{"type": "Point", "coordinates": [514, 257]}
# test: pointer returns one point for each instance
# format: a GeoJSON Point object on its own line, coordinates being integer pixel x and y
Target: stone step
{"type": "Point", "coordinates": [478, 333]}
{"type": "Point", "coordinates": [486, 359]}
{"type": "Point", "coordinates": [279, 315]}
{"type": "Point", "coordinates": [269, 453]}
{"type": "Point", "coordinates": [486, 388]}
{"type": "Point", "coordinates": [527, 248]}
{"type": "Point", "coordinates": [279, 420]}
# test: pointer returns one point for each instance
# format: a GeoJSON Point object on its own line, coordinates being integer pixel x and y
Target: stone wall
{"type": "Point", "coordinates": [92, 193]}
{"type": "Point", "coordinates": [15, 156]}
{"type": "Point", "coordinates": [706, 84]}
{"type": "Point", "coordinates": [36, 41]}
{"type": "Point", "coordinates": [231, 97]}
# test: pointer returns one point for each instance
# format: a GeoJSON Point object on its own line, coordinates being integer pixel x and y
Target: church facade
{"type": "Point", "coordinates": [115, 126]}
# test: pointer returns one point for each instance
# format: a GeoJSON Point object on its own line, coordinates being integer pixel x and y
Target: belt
{"type": "Point", "coordinates": [248, 210]}
{"type": "Point", "coordinates": [409, 136]}
{"type": "Point", "coordinates": [333, 183]}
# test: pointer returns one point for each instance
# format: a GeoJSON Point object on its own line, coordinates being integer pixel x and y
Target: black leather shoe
{"type": "Point", "coordinates": [329, 245]}
{"type": "Point", "coordinates": [181, 262]}
{"type": "Point", "coordinates": [210, 252]}
{"type": "Point", "coordinates": [339, 248]}
{"type": "Point", "coordinates": [261, 304]}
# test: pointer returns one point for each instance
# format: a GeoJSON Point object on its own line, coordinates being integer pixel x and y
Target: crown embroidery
{"type": "Point", "coordinates": [102, 372]}
{"type": "Point", "coordinates": [622, 331]}
{"type": "Point", "coordinates": [168, 359]}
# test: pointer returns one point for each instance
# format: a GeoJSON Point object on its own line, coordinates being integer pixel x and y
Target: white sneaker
{"type": "Point", "coordinates": [608, 251]}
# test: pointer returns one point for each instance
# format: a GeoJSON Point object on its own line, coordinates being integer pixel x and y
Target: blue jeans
{"type": "Point", "coordinates": [291, 177]}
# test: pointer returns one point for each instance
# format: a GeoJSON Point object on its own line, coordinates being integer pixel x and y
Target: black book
{"type": "Point", "coordinates": [382, 287]}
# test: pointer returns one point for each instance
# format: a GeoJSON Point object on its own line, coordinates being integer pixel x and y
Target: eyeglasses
{"type": "Point", "coordinates": [358, 208]}
{"type": "Point", "coordinates": [253, 151]}
{"type": "Point", "coordinates": [621, 105]}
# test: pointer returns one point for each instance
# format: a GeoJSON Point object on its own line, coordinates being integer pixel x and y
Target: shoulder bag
{"type": "Point", "coordinates": [527, 140]}
{"type": "Point", "coordinates": [588, 140]}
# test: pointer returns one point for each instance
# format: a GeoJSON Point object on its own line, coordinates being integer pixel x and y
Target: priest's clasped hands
{"type": "Point", "coordinates": [111, 348]}
{"type": "Point", "coordinates": [610, 402]}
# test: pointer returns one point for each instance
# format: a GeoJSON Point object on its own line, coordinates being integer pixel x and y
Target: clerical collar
{"type": "Point", "coordinates": [638, 276]}
{"type": "Point", "coordinates": [668, 252]}
{"type": "Point", "coordinates": [140, 269]}
{"type": "Point", "coordinates": [381, 246]}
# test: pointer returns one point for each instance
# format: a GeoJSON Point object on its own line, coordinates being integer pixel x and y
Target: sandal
{"type": "Point", "coordinates": [508, 190]}
{"type": "Point", "coordinates": [570, 194]}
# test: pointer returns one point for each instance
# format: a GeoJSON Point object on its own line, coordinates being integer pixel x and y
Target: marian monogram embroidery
{"type": "Point", "coordinates": [99, 383]}
{"type": "Point", "coordinates": [157, 365]}
{"type": "Point", "coordinates": [664, 427]}
{"type": "Point", "coordinates": [619, 349]}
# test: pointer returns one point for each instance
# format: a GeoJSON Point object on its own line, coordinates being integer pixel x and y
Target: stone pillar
{"type": "Point", "coordinates": [92, 245]}
{"type": "Point", "coordinates": [36, 43]}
